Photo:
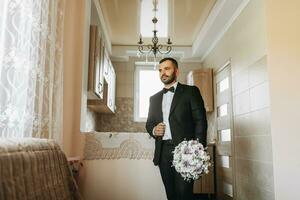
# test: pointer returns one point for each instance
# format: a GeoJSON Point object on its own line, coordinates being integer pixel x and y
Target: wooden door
{"type": "Point", "coordinates": [224, 144]}
{"type": "Point", "coordinates": [202, 78]}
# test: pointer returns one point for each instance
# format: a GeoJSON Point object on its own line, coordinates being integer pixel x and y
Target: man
{"type": "Point", "coordinates": [175, 113]}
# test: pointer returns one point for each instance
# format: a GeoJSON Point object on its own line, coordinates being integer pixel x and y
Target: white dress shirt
{"type": "Point", "coordinates": [166, 106]}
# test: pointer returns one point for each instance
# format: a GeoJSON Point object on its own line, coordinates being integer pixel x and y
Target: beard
{"type": "Point", "coordinates": [168, 79]}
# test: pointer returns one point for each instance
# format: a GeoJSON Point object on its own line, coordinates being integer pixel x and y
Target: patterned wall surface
{"type": "Point", "coordinates": [122, 120]}
{"type": "Point", "coordinates": [112, 145]}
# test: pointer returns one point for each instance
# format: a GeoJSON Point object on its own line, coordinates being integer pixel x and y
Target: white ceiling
{"type": "Point", "coordinates": [185, 20]}
{"type": "Point", "coordinates": [195, 26]}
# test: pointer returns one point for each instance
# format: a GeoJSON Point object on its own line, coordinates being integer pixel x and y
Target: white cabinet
{"type": "Point", "coordinates": [107, 104]}
{"type": "Point", "coordinates": [111, 88]}
{"type": "Point", "coordinates": [101, 74]}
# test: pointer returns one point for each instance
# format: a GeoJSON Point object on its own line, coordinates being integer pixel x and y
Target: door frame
{"type": "Point", "coordinates": [233, 154]}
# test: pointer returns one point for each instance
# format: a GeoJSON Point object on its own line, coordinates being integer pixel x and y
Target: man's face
{"type": "Point", "coordinates": [167, 72]}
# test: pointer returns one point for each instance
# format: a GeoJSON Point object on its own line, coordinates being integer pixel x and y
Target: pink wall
{"type": "Point", "coordinates": [73, 141]}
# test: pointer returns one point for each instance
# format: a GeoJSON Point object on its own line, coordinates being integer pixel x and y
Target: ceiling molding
{"type": "Point", "coordinates": [203, 18]}
{"type": "Point", "coordinates": [123, 52]}
{"type": "Point", "coordinates": [190, 60]}
{"type": "Point", "coordinates": [218, 22]}
{"type": "Point", "coordinates": [104, 26]}
{"type": "Point", "coordinates": [119, 58]}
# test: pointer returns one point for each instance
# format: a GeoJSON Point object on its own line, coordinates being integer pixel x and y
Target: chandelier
{"type": "Point", "coordinates": [155, 47]}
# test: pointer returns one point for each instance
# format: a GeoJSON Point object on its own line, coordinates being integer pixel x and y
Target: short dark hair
{"type": "Point", "coordinates": [170, 59]}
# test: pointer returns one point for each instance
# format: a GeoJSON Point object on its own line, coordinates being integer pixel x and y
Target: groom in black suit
{"type": "Point", "coordinates": [175, 113]}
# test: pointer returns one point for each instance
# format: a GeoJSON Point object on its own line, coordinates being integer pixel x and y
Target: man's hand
{"type": "Point", "coordinates": [159, 129]}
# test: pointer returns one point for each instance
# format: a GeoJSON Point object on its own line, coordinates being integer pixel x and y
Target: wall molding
{"type": "Point", "coordinates": [218, 22]}
{"type": "Point", "coordinates": [112, 145]}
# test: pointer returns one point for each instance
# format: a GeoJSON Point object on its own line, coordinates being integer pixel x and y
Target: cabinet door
{"type": "Point", "coordinates": [98, 66]}
{"type": "Point", "coordinates": [100, 83]}
{"type": "Point", "coordinates": [92, 66]}
{"type": "Point", "coordinates": [202, 78]}
{"type": "Point", "coordinates": [111, 88]}
{"type": "Point", "coordinates": [95, 78]}
{"type": "Point", "coordinates": [106, 65]}
{"type": "Point", "coordinates": [102, 79]}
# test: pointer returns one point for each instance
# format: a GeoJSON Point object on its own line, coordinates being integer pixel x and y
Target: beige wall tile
{"type": "Point", "coordinates": [241, 103]}
{"type": "Point", "coordinates": [259, 96]}
{"type": "Point", "coordinates": [257, 148]}
{"type": "Point", "coordinates": [259, 123]}
{"type": "Point", "coordinates": [240, 82]}
{"type": "Point", "coordinates": [253, 123]}
{"type": "Point", "coordinates": [255, 173]}
{"type": "Point", "coordinates": [124, 90]}
{"type": "Point", "coordinates": [258, 72]}
{"type": "Point", "coordinates": [246, 191]}
{"type": "Point", "coordinates": [241, 125]}
{"type": "Point", "coordinates": [124, 66]}
{"type": "Point", "coordinates": [126, 77]}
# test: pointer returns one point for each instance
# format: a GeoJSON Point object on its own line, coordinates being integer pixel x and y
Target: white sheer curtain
{"type": "Point", "coordinates": [31, 68]}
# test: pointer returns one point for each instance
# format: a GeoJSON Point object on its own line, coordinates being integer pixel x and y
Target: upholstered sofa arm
{"type": "Point", "coordinates": [34, 169]}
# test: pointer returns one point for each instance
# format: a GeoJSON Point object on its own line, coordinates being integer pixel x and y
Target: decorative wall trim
{"type": "Point", "coordinates": [112, 145]}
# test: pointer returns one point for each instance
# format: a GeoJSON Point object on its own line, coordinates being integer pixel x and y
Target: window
{"type": "Point", "coordinates": [224, 84]}
{"type": "Point", "coordinates": [31, 68]}
{"type": "Point", "coordinates": [222, 110]}
{"type": "Point", "coordinates": [228, 189]}
{"type": "Point", "coordinates": [225, 161]}
{"type": "Point", "coordinates": [147, 83]}
{"type": "Point", "coordinates": [224, 135]}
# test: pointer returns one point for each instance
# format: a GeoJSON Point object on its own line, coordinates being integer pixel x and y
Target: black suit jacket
{"type": "Point", "coordinates": [187, 117]}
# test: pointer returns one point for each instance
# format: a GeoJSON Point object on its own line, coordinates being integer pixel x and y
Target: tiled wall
{"type": "Point", "coordinates": [253, 147]}
{"type": "Point", "coordinates": [122, 120]}
{"type": "Point", "coordinates": [244, 44]}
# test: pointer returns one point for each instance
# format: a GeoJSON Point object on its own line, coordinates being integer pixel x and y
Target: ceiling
{"type": "Point", "coordinates": [195, 26]}
{"type": "Point", "coordinates": [186, 18]}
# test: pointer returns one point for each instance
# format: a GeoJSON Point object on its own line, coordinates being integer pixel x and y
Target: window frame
{"type": "Point", "coordinates": [151, 66]}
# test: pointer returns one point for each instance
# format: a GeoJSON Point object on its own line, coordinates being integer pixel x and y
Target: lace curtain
{"type": "Point", "coordinates": [31, 68]}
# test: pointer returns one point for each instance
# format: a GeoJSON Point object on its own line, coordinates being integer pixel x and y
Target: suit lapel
{"type": "Point", "coordinates": [176, 97]}
{"type": "Point", "coordinates": [160, 98]}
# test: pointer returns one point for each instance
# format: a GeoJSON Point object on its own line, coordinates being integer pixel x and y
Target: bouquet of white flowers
{"type": "Point", "coordinates": [191, 159]}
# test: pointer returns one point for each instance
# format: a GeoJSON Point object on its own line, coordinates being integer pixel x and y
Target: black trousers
{"type": "Point", "coordinates": [176, 187]}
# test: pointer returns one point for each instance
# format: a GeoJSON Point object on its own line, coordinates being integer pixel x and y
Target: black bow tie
{"type": "Point", "coordinates": [171, 89]}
